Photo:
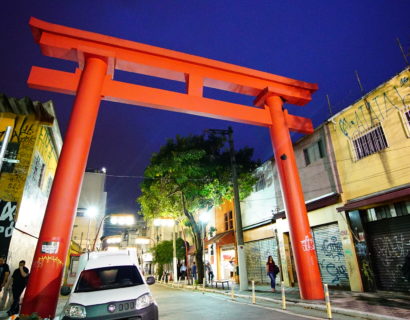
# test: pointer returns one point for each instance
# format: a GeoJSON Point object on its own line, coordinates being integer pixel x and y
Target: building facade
{"type": "Point", "coordinates": [25, 182]}
{"type": "Point", "coordinates": [371, 141]}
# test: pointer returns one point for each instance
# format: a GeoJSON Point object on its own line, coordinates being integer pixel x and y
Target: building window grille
{"type": "Point", "coordinates": [370, 142]}
{"type": "Point", "coordinates": [314, 152]}
{"type": "Point", "coordinates": [402, 208]}
{"type": "Point", "coordinates": [405, 115]}
{"type": "Point", "coordinates": [228, 219]}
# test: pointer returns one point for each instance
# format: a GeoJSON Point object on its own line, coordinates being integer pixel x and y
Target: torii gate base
{"type": "Point", "coordinates": [97, 55]}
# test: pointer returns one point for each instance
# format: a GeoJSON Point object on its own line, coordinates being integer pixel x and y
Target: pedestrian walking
{"type": "Point", "coordinates": [4, 272]}
{"type": "Point", "coordinates": [272, 270]}
{"type": "Point", "coordinates": [193, 271]}
{"type": "Point", "coordinates": [20, 277]}
{"type": "Point", "coordinates": [208, 268]}
{"type": "Point", "coordinates": [183, 271]}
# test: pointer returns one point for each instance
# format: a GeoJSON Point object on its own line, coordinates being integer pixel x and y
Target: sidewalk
{"type": "Point", "coordinates": [369, 305]}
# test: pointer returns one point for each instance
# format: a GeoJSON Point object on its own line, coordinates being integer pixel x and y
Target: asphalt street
{"type": "Point", "coordinates": [177, 304]}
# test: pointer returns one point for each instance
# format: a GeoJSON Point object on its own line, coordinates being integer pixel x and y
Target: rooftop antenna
{"type": "Point", "coordinates": [358, 81]}
{"type": "Point", "coordinates": [402, 52]}
{"type": "Point", "coordinates": [330, 105]}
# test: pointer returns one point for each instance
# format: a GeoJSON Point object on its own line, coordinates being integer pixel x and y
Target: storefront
{"type": "Point", "coordinates": [382, 238]}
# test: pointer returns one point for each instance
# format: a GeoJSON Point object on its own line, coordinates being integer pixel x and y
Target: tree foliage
{"type": "Point", "coordinates": [190, 173]}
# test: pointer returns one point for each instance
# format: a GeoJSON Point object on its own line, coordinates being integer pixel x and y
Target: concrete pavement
{"type": "Point", "coordinates": [377, 305]}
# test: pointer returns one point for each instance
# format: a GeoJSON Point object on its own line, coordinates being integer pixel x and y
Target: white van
{"type": "Point", "coordinates": [109, 285]}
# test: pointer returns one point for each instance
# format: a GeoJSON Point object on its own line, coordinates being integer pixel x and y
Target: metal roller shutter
{"type": "Point", "coordinates": [330, 254]}
{"type": "Point", "coordinates": [389, 244]}
{"type": "Point", "coordinates": [257, 253]}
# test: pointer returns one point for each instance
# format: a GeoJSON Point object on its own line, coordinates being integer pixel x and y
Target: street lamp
{"type": "Point", "coordinates": [243, 276]}
{"type": "Point", "coordinates": [115, 219]}
{"type": "Point", "coordinates": [204, 219]}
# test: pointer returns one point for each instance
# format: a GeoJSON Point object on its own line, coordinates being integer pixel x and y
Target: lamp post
{"type": "Point", "coordinates": [90, 213]}
{"type": "Point", "coordinates": [123, 220]}
{"type": "Point", "coordinates": [204, 218]}
{"type": "Point", "coordinates": [243, 276]}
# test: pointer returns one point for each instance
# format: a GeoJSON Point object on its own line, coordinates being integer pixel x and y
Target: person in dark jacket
{"type": "Point", "coordinates": [272, 270]}
{"type": "Point", "coordinates": [20, 277]}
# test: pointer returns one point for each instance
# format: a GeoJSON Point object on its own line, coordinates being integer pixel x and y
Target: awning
{"type": "Point", "coordinates": [376, 199]}
{"type": "Point", "coordinates": [227, 237]}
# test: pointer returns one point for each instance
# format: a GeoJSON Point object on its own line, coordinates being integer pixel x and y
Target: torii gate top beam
{"type": "Point", "coordinates": [197, 72]}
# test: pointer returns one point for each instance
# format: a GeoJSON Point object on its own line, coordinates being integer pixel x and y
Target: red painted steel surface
{"type": "Point", "coordinates": [54, 240]}
{"type": "Point", "coordinates": [307, 267]}
{"type": "Point", "coordinates": [98, 57]}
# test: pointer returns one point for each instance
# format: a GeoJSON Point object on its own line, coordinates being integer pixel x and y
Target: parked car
{"type": "Point", "coordinates": [109, 285]}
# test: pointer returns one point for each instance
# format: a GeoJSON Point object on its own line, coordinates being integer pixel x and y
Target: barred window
{"type": "Point", "coordinates": [370, 142]}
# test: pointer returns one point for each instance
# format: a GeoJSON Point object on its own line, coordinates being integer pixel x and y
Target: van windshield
{"type": "Point", "coordinates": [108, 278]}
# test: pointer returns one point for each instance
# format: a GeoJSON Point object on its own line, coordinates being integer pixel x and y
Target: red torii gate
{"type": "Point", "coordinates": [98, 56]}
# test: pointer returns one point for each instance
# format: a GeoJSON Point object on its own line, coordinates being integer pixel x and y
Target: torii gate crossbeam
{"type": "Point", "coordinates": [98, 57]}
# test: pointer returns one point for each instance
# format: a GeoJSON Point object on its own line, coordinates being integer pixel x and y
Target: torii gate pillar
{"type": "Point", "coordinates": [45, 279]}
{"type": "Point", "coordinates": [307, 266]}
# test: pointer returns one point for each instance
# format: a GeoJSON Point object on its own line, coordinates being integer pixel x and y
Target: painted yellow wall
{"type": "Point", "coordinates": [385, 169]}
{"type": "Point", "coordinates": [264, 232]}
{"type": "Point", "coordinates": [24, 132]}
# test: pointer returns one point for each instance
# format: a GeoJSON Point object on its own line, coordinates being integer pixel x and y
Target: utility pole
{"type": "Point", "coordinates": [243, 275]}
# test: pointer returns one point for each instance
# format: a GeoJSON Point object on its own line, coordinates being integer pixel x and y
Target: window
{"type": "Point", "coordinates": [405, 116]}
{"type": "Point", "coordinates": [370, 142]}
{"type": "Point", "coordinates": [402, 208]}
{"type": "Point", "coordinates": [261, 183]}
{"type": "Point", "coordinates": [38, 170]}
{"type": "Point", "coordinates": [314, 152]}
{"type": "Point", "coordinates": [228, 221]}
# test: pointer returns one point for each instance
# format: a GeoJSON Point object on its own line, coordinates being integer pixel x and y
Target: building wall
{"type": "Point", "coordinates": [36, 143]}
{"type": "Point", "coordinates": [321, 217]}
{"type": "Point", "coordinates": [385, 169]}
{"type": "Point", "coordinates": [262, 202]}
{"type": "Point", "coordinates": [92, 195]}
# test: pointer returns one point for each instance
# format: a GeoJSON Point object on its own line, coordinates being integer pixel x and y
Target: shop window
{"type": "Point", "coordinates": [374, 140]}
{"type": "Point", "coordinates": [314, 152]}
{"type": "Point", "coordinates": [228, 219]}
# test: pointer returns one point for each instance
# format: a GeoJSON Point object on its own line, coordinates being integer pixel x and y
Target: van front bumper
{"type": "Point", "coordinates": [148, 313]}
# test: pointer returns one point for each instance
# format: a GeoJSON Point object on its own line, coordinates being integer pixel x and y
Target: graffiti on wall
{"type": "Point", "coordinates": [376, 108]}
{"type": "Point", "coordinates": [7, 215]}
{"type": "Point", "coordinates": [391, 248]}
{"type": "Point", "coordinates": [332, 261]}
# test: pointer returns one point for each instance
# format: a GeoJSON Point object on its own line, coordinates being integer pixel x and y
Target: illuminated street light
{"type": "Point", "coordinates": [115, 219]}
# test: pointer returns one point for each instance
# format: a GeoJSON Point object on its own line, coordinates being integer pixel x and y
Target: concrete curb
{"type": "Point", "coordinates": [341, 311]}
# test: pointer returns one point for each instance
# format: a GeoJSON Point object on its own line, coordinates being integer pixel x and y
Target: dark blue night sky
{"type": "Point", "coordinates": [317, 41]}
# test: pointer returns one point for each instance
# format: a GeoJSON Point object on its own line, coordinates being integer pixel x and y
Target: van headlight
{"type": "Point", "coordinates": [75, 311]}
{"type": "Point", "coordinates": [144, 301]}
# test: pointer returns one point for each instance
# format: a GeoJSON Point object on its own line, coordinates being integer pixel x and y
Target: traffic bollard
{"type": "Point", "coordinates": [283, 296]}
{"type": "Point", "coordinates": [253, 292]}
{"type": "Point", "coordinates": [327, 298]}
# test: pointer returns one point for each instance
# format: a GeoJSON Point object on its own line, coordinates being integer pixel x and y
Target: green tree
{"type": "Point", "coordinates": [163, 252]}
{"type": "Point", "coordinates": [191, 173]}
